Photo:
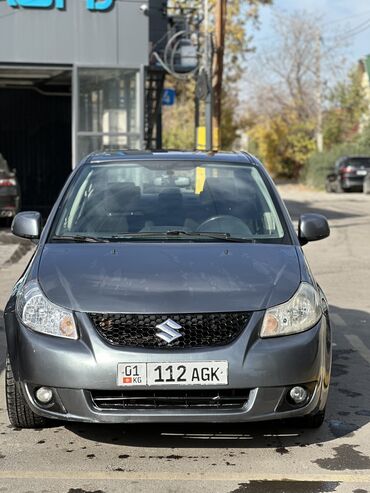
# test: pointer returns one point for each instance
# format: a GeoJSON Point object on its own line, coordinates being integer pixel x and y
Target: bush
{"type": "Point", "coordinates": [320, 164]}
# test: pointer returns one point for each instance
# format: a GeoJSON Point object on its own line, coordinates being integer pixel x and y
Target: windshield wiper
{"type": "Point", "coordinates": [177, 233]}
{"type": "Point", "coordinates": [80, 239]}
{"type": "Point", "coordinates": [213, 235]}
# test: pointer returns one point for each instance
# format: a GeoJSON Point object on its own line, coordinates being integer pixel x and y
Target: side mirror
{"type": "Point", "coordinates": [27, 225]}
{"type": "Point", "coordinates": [312, 227]}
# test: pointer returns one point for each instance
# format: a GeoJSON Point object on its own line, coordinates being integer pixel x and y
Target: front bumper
{"type": "Point", "coordinates": [267, 367]}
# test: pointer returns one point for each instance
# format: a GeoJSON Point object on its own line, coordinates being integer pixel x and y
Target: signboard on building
{"type": "Point", "coordinates": [100, 5]}
{"type": "Point", "coordinates": [168, 98]}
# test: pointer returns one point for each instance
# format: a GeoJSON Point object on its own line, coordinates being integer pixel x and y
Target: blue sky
{"type": "Point", "coordinates": [341, 15]}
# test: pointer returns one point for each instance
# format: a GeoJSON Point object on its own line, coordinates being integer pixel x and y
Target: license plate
{"type": "Point", "coordinates": [362, 172]}
{"type": "Point", "coordinates": [157, 374]}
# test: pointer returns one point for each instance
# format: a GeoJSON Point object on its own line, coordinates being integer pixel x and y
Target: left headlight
{"type": "Point", "coordinates": [39, 314]}
{"type": "Point", "coordinates": [298, 314]}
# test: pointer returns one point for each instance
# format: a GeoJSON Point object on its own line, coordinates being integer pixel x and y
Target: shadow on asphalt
{"type": "Point", "coordinates": [348, 408]}
{"type": "Point", "coordinates": [296, 208]}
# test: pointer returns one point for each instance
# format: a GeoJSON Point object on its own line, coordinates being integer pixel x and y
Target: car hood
{"type": "Point", "coordinates": [168, 277]}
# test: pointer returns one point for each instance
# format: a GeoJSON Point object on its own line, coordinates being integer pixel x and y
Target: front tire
{"type": "Point", "coordinates": [19, 413]}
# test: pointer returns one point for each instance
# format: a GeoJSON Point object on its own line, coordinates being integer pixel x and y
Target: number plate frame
{"type": "Point", "coordinates": [157, 374]}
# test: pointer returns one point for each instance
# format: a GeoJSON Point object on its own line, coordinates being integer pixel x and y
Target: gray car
{"type": "Point", "coordinates": [168, 287]}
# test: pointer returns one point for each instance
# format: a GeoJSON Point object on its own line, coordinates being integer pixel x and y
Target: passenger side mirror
{"type": "Point", "coordinates": [312, 227]}
{"type": "Point", "coordinates": [27, 225]}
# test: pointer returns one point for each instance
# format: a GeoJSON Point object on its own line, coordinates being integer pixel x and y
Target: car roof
{"type": "Point", "coordinates": [161, 155]}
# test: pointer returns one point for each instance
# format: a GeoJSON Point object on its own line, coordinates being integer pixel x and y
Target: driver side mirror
{"type": "Point", "coordinates": [312, 227]}
{"type": "Point", "coordinates": [27, 225]}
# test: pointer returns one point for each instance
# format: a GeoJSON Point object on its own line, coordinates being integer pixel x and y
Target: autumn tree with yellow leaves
{"type": "Point", "coordinates": [178, 121]}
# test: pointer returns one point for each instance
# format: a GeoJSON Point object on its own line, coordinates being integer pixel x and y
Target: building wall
{"type": "Point", "coordinates": [116, 37]}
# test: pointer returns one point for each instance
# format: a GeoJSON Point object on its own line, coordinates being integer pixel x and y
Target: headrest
{"type": "Point", "coordinates": [170, 195]}
{"type": "Point", "coordinates": [119, 197]}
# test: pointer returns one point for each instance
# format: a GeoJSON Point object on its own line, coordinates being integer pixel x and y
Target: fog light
{"type": "Point", "coordinates": [44, 395]}
{"type": "Point", "coordinates": [298, 395]}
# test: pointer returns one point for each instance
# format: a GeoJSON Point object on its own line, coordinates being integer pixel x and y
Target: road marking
{"type": "Point", "coordinates": [190, 476]}
{"type": "Point", "coordinates": [356, 343]}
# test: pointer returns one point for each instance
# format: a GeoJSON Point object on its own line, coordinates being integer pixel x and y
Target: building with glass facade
{"type": "Point", "coordinates": [73, 79]}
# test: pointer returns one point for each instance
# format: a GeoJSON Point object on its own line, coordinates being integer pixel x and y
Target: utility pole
{"type": "Point", "coordinates": [219, 67]}
{"type": "Point", "coordinates": [319, 134]}
{"type": "Point", "coordinates": [208, 59]}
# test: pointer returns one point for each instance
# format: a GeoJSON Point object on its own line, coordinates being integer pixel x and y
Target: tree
{"type": "Point", "coordinates": [240, 15]}
{"type": "Point", "coordinates": [347, 103]}
{"type": "Point", "coordinates": [284, 143]}
{"type": "Point", "coordinates": [285, 88]}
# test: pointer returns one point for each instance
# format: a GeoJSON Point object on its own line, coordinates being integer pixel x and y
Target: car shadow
{"type": "Point", "coordinates": [348, 407]}
{"type": "Point", "coordinates": [296, 209]}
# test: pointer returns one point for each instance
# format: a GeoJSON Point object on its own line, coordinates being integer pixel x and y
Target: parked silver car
{"type": "Point", "coordinates": [179, 299]}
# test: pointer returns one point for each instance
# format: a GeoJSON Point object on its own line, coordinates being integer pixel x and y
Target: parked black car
{"type": "Point", "coordinates": [348, 174]}
{"type": "Point", "coordinates": [10, 196]}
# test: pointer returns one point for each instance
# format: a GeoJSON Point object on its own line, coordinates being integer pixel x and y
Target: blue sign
{"type": "Point", "coordinates": [169, 96]}
{"type": "Point", "coordinates": [60, 4]}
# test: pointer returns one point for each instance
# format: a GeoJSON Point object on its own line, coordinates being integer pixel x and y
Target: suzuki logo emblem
{"type": "Point", "coordinates": [168, 331]}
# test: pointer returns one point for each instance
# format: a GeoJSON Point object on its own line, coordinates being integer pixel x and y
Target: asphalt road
{"type": "Point", "coordinates": [263, 458]}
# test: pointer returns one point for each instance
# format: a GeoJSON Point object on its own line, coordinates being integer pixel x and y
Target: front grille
{"type": "Point", "coordinates": [170, 399]}
{"type": "Point", "coordinates": [197, 330]}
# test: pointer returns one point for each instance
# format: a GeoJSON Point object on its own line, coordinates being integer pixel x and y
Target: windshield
{"type": "Point", "coordinates": [171, 200]}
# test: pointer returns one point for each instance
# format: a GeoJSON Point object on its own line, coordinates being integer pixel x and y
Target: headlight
{"type": "Point", "coordinates": [39, 314]}
{"type": "Point", "coordinates": [298, 314]}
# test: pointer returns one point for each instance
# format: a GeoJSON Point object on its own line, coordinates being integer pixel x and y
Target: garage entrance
{"type": "Point", "coordinates": [36, 130]}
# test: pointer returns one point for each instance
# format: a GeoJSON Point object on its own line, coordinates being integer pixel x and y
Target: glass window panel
{"type": "Point", "coordinates": [108, 100]}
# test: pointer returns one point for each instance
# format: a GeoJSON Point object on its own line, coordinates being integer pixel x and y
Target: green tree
{"type": "Point", "coordinates": [347, 103]}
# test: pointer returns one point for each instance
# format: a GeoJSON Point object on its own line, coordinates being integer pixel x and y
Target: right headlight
{"type": "Point", "coordinates": [298, 314]}
{"type": "Point", "coordinates": [41, 315]}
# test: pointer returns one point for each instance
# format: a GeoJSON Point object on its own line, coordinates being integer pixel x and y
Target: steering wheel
{"type": "Point", "coordinates": [225, 224]}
